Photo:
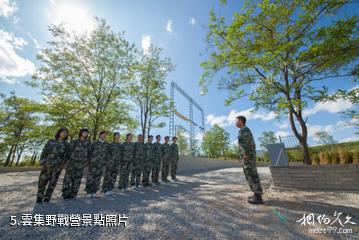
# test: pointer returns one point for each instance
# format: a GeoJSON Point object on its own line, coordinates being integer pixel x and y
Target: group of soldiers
{"type": "Point", "coordinates": [134, 162]}
{"type": "Point", "coordinates": [128, 159]}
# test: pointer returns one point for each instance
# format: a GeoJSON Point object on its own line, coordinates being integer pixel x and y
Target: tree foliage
{"type": "Point", "coordinates": [275, 53]}
{"type": "Point", "coordinates": [183, 141]}
{"type": "Point", "coordinates": [147, 88]}
{"type": "Point", "coordinates": [86, 80]}
{"type": "Point", "coordinates": [267, 137]}
{"type": "Point", "coordinates": [215, 142]}
{"type": "Point", "coordinates": [19, 116]}
{"type": "Point", "coordinates": [324, 138]}
{"type": "Point", "coordinates": [87, 75]}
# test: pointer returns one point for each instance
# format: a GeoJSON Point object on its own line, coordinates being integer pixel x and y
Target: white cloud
{"type": "Point", "coordinates": [213, 120]}
{"type": "Point", "coordinates": [329, 106]}
{"type": "Point", "coordinates": [16, 20]}
{"type": "Point", "coordinates": [330, 128]}
{"type": "Point", "coordinates": [169, 26]}
{"type": "Point", "coordinates": [282, 125]}
{"type": "Point", "coordinates": [146, 43]}
{"type": "Point", "coordinates": [8, 80]}
{"type": "Point", "coordinates": [76, 18]}
{"type": "Point", "coordinates": [199, 137]}
{"type": "Point", "coordinates": [34, 40]}
{"type": "Point", "coordinates": [7, 8]}
{"type": "Point", "coordinates": [313, 129]}
{"type": "Point", "coordinates": [192, 21]}
{"type": "Point", "coordinates": [250, 114]}
{"type": "Point", "coordinates": [53, 2]}
{"type": "Point", "coordinates": [282, 134]}
{"type": "Point", "coordinates": [350, 139]}
{"type": "Point", "coordinates": [11, 64]}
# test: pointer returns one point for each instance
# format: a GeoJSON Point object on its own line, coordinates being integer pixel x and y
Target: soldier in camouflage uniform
{"type": "Point", "coordinates": [174, 158]}
{"type": "Point", "coordinates": [98, 159]}
{"type": "Point", "coordinates": [148, 162]}
{"type": "Point", "coordinates": [166, 158]}
{"type": "Point", "coordinates": [247, 155]}
{"type": "Point", "coordinates": [112, 165]}
{"type": "Point", "coordinates": [157, 160]}
{"type": "Point", "coordinates": [138, 161]}
{"type": "Point", "coordinates": [78, 160]}
{"type": "Point", "coordinates": [128, 149]}
{"type": "Point", "coordinates": [53, 159]}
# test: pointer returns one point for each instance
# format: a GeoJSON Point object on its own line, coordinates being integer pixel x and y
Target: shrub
{"type": "Point", "coordinates": [295, 155]}
{"type": "Point", "coordinates": [315, 159]}
{"type": "Point", "coordinates": [335, 157]}
{"type": "Point", "coordinates": [325, 158]}
{"type": "Point", "coordinates": [345, 156]}
{"type": "Point", "coordinates": [356, 157]}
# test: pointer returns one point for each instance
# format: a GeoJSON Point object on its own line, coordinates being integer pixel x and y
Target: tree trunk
{"type": "Point", "coordinates": [13, 155]}
{"type": "Point", "coordinates": [7, 162]}
{"type": "Point", "coordinates": [144, 126]}
{"type": "Point", "coordinates": [19, 153]}
{"type": "Point", "coordinates": [149, 129]}
{"type": "Point", "coordinates": [94, 132]}
{"type": "Point", "coordinates": [302, 138]}
{"type": "Point", "coordinates": [33, 159]}
{"type": "Point", "coordinates": [17, 160]}
{"type": "Point", "coordinates": [305, 151]}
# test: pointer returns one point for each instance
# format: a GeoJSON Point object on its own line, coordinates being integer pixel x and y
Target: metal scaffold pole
{"type": "Point", "coordinates": [193, 124]}
{"type": "Point", "coordinates": [172, 114]}
{"type": "Point", "coordinates": [191, 138]}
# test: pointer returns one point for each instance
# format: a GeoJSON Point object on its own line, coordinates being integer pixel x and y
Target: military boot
{"type": "Point", "coordinates": [256, 199]}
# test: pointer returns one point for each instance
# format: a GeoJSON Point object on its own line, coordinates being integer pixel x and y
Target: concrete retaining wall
{"type": "Point", "coordinates": [317, 177]}
{"type": "Point", "coordinates": [186, 165]}
{"type": "Point", "coordinates": [189, 164]}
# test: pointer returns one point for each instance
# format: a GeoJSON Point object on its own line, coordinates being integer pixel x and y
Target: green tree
{"type": "Point", "coordinates": [182, 141]}
{"type": "Point", "coordinates": [232, 152]}
{"type": "Point", "coordinates": [267, 137]}
{"type": "Point", "coordinates": [215, 142]}
{"type": "Point", "coordinates": [18, 117]}
{"type": "Point", "coordinates": [147, 88]}
{"type": "Point", "coordinates": [275, 51]}
{"type": "Point", "coordinates": [37, 137]}
{"type": "Point", "coordinates": [324, 138]}
{"type": "Point", "coordinates": [60, 113]}
{"type": "Point", "coordinates": [87, 75]}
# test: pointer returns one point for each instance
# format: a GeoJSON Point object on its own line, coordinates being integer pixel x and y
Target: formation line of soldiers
{"type": "Point", "coordinates": [130, 160]}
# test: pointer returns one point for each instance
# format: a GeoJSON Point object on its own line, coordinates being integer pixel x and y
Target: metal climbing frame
{"type": "Point", "coordinates": [192, 103]}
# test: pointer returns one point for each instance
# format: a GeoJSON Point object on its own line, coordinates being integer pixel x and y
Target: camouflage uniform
{"type": "Point", "coordinates": [78, 160]}
{"type": "Point", "coordinates": [98, 159]}
{"type": "Point", "coordinates": [137, 163]}
{"type": "Point", "coordinates": [166, 158]}
{"type": "Point", "coordinates": [147, 163]}
{"type": "Point", "coordinates": [126, 162]}
{"type": "Point", "coordinates": [156, 166]}
{"type": "Point", "coordinates": [174, 160]}
{"type": "Point", "coordinates": [52, 160]}
{"type": "Point", "coordinates": [112, 166]}
{"type": "Point", "coordinates": [247, 147]}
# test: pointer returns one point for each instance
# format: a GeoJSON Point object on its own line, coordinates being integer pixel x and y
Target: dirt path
{"type": "Point", "coordinates": [210, 205]}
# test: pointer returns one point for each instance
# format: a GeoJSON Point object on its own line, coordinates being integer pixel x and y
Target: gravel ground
{"type": "Point", "coordinates": [208, 205]}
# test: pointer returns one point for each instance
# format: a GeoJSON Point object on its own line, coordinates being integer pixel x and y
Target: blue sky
{"type": "Point", "coordinates": [179, 27]}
